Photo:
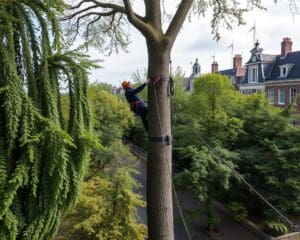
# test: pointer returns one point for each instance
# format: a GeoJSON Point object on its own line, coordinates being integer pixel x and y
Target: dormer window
{"type": "Point", "coordinates": [253, 74]}
{"type": "Point", "coordinates": [284, 69]}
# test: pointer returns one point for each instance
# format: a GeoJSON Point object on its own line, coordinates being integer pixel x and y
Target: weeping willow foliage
{"type": "Point", "coordinates": [42, 162]}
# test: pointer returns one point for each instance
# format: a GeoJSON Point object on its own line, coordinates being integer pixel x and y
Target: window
{"type": "Point", "coordinates": [271, 95]}
{"type": "Point", "coordinates": [253, 74]}
{"type": "Point", "coordinates": [293, 93]}
{"type": "Point", "coordinates": [284, 69]}
{"type": "Point", "coordinates": [281, 96]}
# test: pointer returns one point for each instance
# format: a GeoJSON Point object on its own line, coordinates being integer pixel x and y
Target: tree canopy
{"type": "Point", "coordinates": [41, 163]}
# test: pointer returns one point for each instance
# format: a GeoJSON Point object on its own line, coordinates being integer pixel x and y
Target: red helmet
{"type": "Point", "coordinates": [125, 84]}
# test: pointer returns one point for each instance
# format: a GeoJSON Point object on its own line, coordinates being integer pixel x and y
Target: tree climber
{"type": "Point", "coordinates": [136, 103]}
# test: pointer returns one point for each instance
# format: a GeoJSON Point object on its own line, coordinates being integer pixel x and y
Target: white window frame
{"type": "Point", "coordinates": [281, 101]}
{"type": "Point", "coordinates": [271, 98]}
{"type": "Point", "coordinates": [253, 74]}
{"type": "Point", "coordinates": [291, 93]}
{"type": "Point", "coordinates": [285, 69]}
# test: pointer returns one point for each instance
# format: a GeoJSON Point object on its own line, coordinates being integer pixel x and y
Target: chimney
{"type": "Point", "coordinates": [286, 46]}
{"type": "Point", "coordinates": [237, 61]}
{"type": "Point", "coordinates": [214, 67]}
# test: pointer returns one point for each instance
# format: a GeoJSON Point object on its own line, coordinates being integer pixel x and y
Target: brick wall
{"type": "Point", "coordinates": [287, 90]}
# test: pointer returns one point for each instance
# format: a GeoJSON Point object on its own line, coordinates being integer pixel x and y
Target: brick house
{"type": "Point", "coordinates": [283, 83]}
{"type": "Point", "coordinates": [278, 76]}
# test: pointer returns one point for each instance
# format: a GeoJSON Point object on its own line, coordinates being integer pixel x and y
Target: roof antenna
{"type": "Point", "coordinates": [232, 49]}
{"type": "Point", "coordinates": [254, 32]}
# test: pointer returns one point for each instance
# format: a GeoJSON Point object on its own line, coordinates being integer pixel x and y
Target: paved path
{"type": "Point", "coordinates": [228, 229]}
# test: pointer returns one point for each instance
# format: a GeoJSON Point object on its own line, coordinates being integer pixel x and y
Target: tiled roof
{"type": "Point", "coordinates": [292, 58]}
{"type": "Point", "coordinates": [267, 68]}
{"type": "Point", "coordinates": [267, 57]}
{"type": "Point", "coordinates": [227, 72]}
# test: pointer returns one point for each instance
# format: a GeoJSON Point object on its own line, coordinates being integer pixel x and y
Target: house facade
{"type": "Point", "coordinates": [257, 71]}
{"type": "Point", "coordinates": [283, 86]}
{"type": "Point", "coordinates": [278, 76]}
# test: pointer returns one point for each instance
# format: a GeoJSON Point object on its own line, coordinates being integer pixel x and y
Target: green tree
{"type": "Point", "coordinates": [211, 105]}
{"type": "Point", "coordinates": [106, 210]}
{"type": "Point", "coordinates": [269, 155]}
{"type": "Point", "coordinates": [111, 115]}
{"type": "Point", "coordinates": [212, 129]}
{"type": "Point", "coordinates": [41, 164]}
{"type": "Point", "coordinates": [207, 177]}
{"type": "Point", "coordinates": [110, 197]}
{"type": "Point", "coordinates": [105, 20]}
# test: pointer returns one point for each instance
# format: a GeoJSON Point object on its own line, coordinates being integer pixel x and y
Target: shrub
{"type": "Point", "coordinates": [238, 210]}
{"type": "Point", "coordinates": [275, 228]}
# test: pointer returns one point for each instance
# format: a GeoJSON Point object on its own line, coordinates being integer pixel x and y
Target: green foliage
{"type": "Point", "coordinates": [275, 228]}
{"type": "Point", "coordinates": [41, 164]}
{"type": "Point", "coordinates": [212, 104]}
{"type": "Point", "coordinates": [208, 174]}
{"type": "Point", "coordinates": [264, 147]}
{"type": "Point", "coordinates": [106, 210]}
{"type": "Point", "coordinates": [207, 177]}
{"type": "Point", "coordinates": [108, 204]}
{"type": "Point", "coordinates": [238, 210]}
{"type": "Point", "coordinates": [112, 116]}
{"type": "Point", "coordinates": [269, 149]}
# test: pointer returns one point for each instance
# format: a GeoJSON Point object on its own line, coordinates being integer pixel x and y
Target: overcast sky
{"type": "Point", "coordinates": [196, 41]}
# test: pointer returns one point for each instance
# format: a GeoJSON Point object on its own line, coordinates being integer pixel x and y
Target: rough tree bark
{"type": "Point", "coordinates": [159, 165]}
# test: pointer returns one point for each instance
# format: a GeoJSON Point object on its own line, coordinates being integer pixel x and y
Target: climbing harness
{"type": "Point", "coordinates": [156, 80]}
{"type": "Point", "coordinates": [134, 105]}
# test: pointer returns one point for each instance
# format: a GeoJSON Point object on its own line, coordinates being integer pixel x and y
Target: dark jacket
{"type": "Point", "coordinates": [131, 94]}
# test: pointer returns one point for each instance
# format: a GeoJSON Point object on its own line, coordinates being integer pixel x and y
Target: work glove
{"type": "Point", "coordinates": [147, 81]}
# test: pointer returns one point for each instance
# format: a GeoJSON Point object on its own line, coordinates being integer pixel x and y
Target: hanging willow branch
{"type": "Point", "coordinates": [42, 162]}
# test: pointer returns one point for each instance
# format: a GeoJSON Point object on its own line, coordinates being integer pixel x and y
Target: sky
{"type": "Point", "coordinates": [196, 41]}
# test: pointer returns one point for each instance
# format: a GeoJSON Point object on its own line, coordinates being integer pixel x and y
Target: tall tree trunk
{"type": "Point", "coordinates": [159, 168]}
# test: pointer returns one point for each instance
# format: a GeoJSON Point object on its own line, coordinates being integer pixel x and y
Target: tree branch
{"type": "Point", "coordinates": [138, 22]}
{"type": "Point", "coordinates": [135, 19]}
{"type": "Point", "coordinates": [78, 12]}
{"type": "Point", "coordinates": [101, 4]}
{"type": "Point", "coordinates": [178, 19]}
{"type": "Point", "coordinates": [153, 12]}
